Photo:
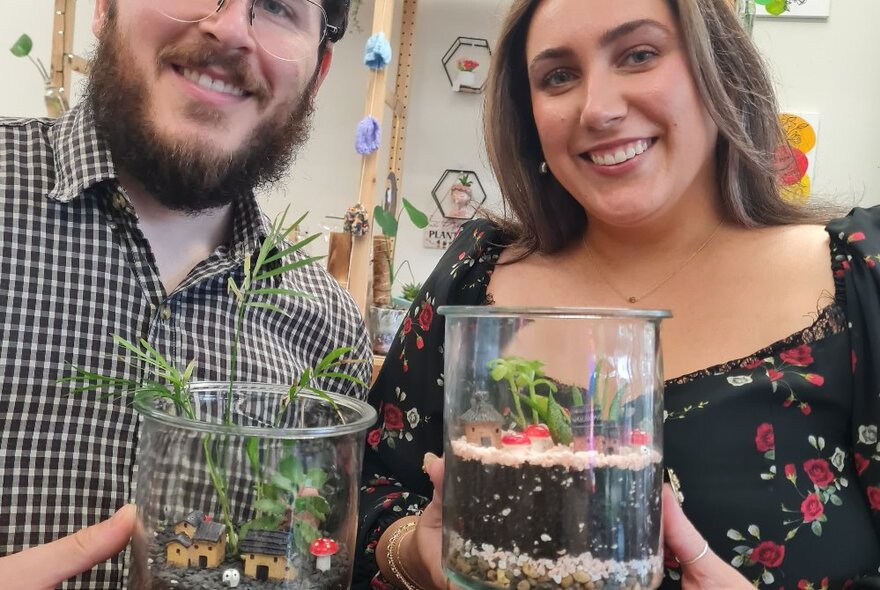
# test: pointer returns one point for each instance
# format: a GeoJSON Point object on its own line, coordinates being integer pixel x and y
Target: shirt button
{"type": "Point", "coordinates": [119, 201]}
{"type": "Point", "coordinates": [165, 313]}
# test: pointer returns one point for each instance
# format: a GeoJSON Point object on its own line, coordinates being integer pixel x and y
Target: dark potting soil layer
{"type": "Point", "coordinates": [549, 511]}
{"type": "Point", "coordinates": [170, 577]}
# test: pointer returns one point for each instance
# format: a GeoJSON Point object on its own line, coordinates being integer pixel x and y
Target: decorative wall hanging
{"type": "Point", "coordinates": [466, 64]}
{"type": "Point", "coordinates": [794, 8]}
{"type": "Point", "coordinates": [458, 194]}
{"type": "Point", "coordinates": [797, 159]}
{"type": "Point", "coordinates": [368, 137]}
{"type": "Point", "coordinates": [441, 231]}
{"type": "Point", "coordinates": [377, 53]}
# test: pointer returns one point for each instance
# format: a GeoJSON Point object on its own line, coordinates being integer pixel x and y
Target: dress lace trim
{"type": "Point", "coordinates": [830, 320]}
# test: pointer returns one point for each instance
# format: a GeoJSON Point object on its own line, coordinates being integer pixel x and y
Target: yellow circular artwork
{"type": "Point", "coordinates": [798, 132]}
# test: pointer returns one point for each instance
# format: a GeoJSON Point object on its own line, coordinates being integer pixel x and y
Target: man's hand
{"type": "Point", "coordinates": [701, 568]}
{"type": "Point", "coordinates": [48, 565]}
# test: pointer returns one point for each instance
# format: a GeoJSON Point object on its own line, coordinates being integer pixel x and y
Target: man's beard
{"type": "Point", "coordinates": [183, 175]}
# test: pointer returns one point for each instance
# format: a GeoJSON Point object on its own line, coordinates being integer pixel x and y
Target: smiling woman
{"type": "Point", "coordinates": [633, 145]}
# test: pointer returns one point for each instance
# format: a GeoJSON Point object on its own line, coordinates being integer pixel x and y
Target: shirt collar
{"type": "Point", "coordinates": [82, 159]}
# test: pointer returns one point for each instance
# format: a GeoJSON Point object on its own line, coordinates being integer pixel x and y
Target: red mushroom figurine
{"type": "Point", "coordinates": [515, 441]}
{"type": "Point", "coordinates": [639, 438]}
{"type": "Point", "coordinates": [540, 437]}
{"type": "Point", "coordinates": [323, 549]}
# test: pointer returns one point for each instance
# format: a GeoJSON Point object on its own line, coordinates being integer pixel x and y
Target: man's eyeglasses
{"type": "Point", "coordinates": [289, 30]}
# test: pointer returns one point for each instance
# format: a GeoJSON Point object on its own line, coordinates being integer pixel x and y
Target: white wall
{"type": "Point", "coordinates": [823, 66]}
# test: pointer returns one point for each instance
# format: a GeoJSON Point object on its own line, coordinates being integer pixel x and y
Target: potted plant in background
{"type": "Point", "coordinates": [55, 103]}
{"type": "Point", "coordinates": [467, 77]}
{"type": "Point", "coordinates": [385, 316]}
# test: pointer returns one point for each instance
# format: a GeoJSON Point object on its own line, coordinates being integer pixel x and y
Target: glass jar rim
{"type": "Point", "coordinates": [577, 313]}
{"type": "Point", "coordinates": [147, 407]}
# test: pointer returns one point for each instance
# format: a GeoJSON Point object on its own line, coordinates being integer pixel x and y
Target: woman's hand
{"type": "Point", "coordinates": [701, 568]}
{"type": "Point", "coordinates": [425, 548]}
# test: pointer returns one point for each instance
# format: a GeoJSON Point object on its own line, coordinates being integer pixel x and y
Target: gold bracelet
{"type": "Point", "coordinates": [393, 554]}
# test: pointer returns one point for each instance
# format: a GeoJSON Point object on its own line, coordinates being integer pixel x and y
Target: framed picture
{"type": "Point", "coordinates": [797, 9]}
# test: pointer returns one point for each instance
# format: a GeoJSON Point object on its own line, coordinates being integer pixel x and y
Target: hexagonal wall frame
{"type": "Point", "coordinates": [466, 64]}
{"type": "Point", "coordinates": [455, 198]}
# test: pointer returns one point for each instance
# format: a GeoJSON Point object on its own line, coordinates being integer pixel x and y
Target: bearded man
{"type": "Point", "coordinates": [128, 216]}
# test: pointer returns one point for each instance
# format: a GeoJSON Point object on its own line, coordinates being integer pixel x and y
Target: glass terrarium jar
{"type": "Point", "coordinates": [252, 490]}
{"type": "Point", "coordinates": [553, 448]}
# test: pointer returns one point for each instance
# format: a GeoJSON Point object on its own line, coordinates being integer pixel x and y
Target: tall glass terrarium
{"type": "Point", "coordinates": [553, 448]}
{"type": "Point", "coordinates": [252, 490]}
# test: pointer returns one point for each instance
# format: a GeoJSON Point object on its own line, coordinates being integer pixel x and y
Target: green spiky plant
{"type": "Point", "coordinates": [464, 179]}
{"type": "Point", "coordinates": [390, 224]}
{"type": "Point", "coordinates": [161, 380]}
{"type": "Point", "coordinates": [410, 291]}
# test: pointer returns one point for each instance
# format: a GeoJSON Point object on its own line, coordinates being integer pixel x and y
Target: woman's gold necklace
{"type": "Point", "coordinates": [666, 279]}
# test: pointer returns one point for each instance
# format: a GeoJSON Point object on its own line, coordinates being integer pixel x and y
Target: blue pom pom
{"type": "Point", "coordinates": [378, 52]}
{"type": "Point", "coordinates": [368, 136]}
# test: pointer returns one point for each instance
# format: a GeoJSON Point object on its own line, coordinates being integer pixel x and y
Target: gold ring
{"type": "Point", "coordinates": [697, 558]}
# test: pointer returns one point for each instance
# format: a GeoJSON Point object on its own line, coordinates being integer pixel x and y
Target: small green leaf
{"type": "Point", "coordinates": [267, 506]}
{"type": "Point", "coordinates": [812, 440]}
{"type": "Point", "coordinates": [816, 526]}
{"type": "Point", "coordinates": [737, 561]}
{"type": "Point", "coordinates": [767, 577]}
{"type": "Point", "coordinates": [791, 534]}
{"type": "Point", "coordinates": [498, 372]}
{"type": "Point", "coordinates": [386, 221]}
{"type": "Point", "coordinates": [755, 531]}
{"type": "Point", "coordinates": [560, 428]}
{"type": "Point", "coordinates": [835, 499]}
{"type": "Point", "coordinates": [419, 219]}
{"type": "Point", "coordinates": [742, 549]}
{"type": "Point", "coordinates": [282, 482]}
{"type": "Point", "coordinates": [735, 535]}
{"type": "Point", "coordinates": [22, 47]}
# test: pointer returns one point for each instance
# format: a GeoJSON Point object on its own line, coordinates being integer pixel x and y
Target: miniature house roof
{"type": "Point", "coordinates": [481, 410]}
{"type": "Point", "coordinates": [266, 542]}
{"type": "Point", "coordinates": [195, 518]}
{"type": "Point", "coordinates": [181, 538]}
{"type": "Point", "coordinates": [209, 531]}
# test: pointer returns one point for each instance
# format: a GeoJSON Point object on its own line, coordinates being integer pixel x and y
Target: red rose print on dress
{"type": "Point", "coordinates": [426, 316]}
{"type": "Point", "coordinates": [801, 356]}
{"type": "Point", "coordinates": [768, 554]}
{"type": "Point", "coordinates": [812, 508]}
{"type": "Point", "coordinates": [815, 379]}
{"type": "Point", "coordinates": [407, 325]}
{"type": "Point", "coordinates": [861, 463]}
{"type": "Point", "coordinates": [819, 472]}
{"type": "Point", "coordinates": [791, 471]}
{"type": "Point", "coordinates": [393, 417]}
{"type": "Point", "coordinates": [764, 439]}
{"type": "Point", "coordinates": [855, 237]}
{"type": "Point", "coordinates": [374, 437]}
{"type": "Point", "coordinates": [874, 497]}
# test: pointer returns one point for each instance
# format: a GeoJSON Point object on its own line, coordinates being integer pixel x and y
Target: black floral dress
{"type": "Point", "coordinates": [777, 454]}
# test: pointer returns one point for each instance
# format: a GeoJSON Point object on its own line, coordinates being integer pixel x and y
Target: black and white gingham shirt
{"type": "Point", "coordinates": [74, 269]}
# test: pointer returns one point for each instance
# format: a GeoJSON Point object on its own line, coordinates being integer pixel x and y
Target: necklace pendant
{"type": "Point", "coordinates": [632, 299]}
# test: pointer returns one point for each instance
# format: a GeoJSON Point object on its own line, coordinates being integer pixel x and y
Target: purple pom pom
{"type": "Point", "coordinates": [368, 136]}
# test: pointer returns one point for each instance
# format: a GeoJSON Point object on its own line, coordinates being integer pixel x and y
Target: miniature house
{"type": "Point", "coordinates": [482, 423]}
{"type": "Point", "coordinates": [265, 555]}
{"type": "Point", "coordinates": [197, 542]}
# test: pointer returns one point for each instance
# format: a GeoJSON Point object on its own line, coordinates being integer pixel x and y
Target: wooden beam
{"type": "Point", "coordinates": [403, 80]}
{"type": "Point", "coordinates": [361, 269]}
